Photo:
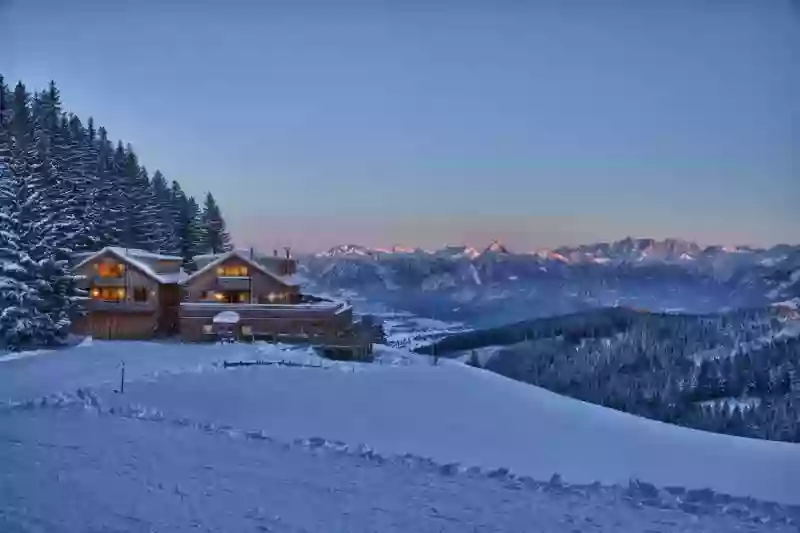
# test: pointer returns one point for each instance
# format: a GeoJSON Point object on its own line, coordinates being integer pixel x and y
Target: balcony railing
{"type": "Point", "coordinates": [121, 306]}
{"type": "Point", "coordinates": [233, 283]}
{"type": "Point", "coordinates": [106, 281]}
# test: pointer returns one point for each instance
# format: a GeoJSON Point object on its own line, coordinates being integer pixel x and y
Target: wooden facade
{"type": "Point", "coordinates": [131, 294]}
{"type": "Point", "coordinates": [265, 295]}
{"type": "Point", "coordinates": [239, 281]}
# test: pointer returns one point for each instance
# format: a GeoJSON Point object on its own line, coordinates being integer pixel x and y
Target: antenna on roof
{"type": "Point", "coordinates": [288, 251]}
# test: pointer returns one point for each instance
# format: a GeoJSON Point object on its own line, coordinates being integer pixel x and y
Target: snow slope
{"type": "Point", "coordinates": [76, 471]}
{"type": "Point", "coordinates": [382, 447]}
{"type": "Point", "coordinates": [457, 413]}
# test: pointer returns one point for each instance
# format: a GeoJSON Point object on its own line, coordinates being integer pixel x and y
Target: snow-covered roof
{"type": "Point", "coordinates": [134, 258]}
{"type": "Point", "coordinates": [292, 280]}
{"type": "Point", "coordinates": [143, 254]}
{"type": "Point", "coordinates": [243, 251]}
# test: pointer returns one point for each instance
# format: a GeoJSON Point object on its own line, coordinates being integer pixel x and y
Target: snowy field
{"type": "Point", "coordinates": [407, 331]}
{"type": "Point", "coordinates": [400, 445]}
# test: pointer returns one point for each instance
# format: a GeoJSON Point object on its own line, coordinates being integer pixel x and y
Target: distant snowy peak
{"type": "Point", "coordinates": [631, 250]}
{"type": "Point", "coordinates": [347, 250]}
{"type": "Point", "coordinates": [628, 251]}
{"type": "Point", "coordinates": [497, 247]}
{"type": "Point", "coordinates": [549, 255]}
{"type": "Point", "coordinates": [401, 250]}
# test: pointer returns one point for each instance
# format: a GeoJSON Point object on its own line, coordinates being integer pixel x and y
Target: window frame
{"type": "Point", "coordinates": [110, 269]}
{"type": "Point", "coordinates": [138, 291]}
{"type": "Point", "coordinates": [109, 294]}
{"type": "Point", "coordinates": [233, 271]}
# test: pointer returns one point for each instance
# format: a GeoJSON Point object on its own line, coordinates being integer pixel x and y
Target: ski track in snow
{"type": "Point", "coordinates": [190, 445]}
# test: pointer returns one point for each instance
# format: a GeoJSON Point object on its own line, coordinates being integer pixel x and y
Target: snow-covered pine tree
{"type": "Point", "coordinates": [59, 178]}
{"type": "Point", "coordinates": [216, 236]}
{"type": "Point", "coordinates": [44, 210]}
{"type": "Point", "coordinates": [186, 217]}
{"type": "Point", "coordinates": [121, 205]}
{"type": "Point", "coordinates": [168, 231]}
{"type": "Point", "coordinates": [148, 230]}
{"type": "Point", "coordinates": [80, 170]}
{"type": "Point", "coordinates": [5, 133]}
{"type": "Point", "coordinates": [194, 219]}
{"type": "Point", "coordinates": [104, 193]}
{"type": "Point", "coordinates": [22, 323]}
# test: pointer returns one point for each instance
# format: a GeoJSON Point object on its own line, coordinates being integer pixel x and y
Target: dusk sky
{"type": "Point", "coordinates": [538, 123]}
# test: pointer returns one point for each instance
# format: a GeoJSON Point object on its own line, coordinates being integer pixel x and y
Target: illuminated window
{"type": "Point", "coordinates": [208, 329]}
{"type": "Point", "coordinates": [247, 330]}
{"type": "Point", "coordinates": [232, 271]}
{"type": "Point", "coordinates": [244, 297]}
{"type": "Point", "coordinates": [110, 270]}
{"type": "Point", "coordinates": [140, 294]}
{"type": "Point", "coordinates": [109, 294]}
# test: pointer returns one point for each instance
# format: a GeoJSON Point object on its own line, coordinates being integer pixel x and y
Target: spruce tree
{"type": "Point", "coordinates": [121, 204]}
{"type": "Point", "coordinates": [194, 219]}
{"type": "Point", "coordinates": [22, 323]}
{"type": "Point", "coordinates": [104, 194]}
{"type": "Point", "coordinates": [147, 229]}
{"type": "Point", "coordinates": [44, 212]}
{"type": "Point", "coordinates": [216, 238]}
{"type": "Point", "coordinates": [81, 169]}
{"type": "Point", "coordinates": [169, 241]}
{"type": "Point", "coordinates": [186, 218]}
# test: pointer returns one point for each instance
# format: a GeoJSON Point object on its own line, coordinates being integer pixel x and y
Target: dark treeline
{"type": "Point", "coordinates": [729, 373]}
{"type": "Point", "coordinates": [65, 187]}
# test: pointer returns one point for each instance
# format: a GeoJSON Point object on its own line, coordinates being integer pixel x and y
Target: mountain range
{"type": "Point", "coordinates": [495, 284]}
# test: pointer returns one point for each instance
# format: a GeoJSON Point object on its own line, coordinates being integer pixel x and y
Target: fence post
{"type": "Point", "coordinates": [122, 378]}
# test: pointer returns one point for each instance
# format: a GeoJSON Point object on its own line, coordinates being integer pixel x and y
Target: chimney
{"type": "Point", "coordinates": [274, 252]}
{"type": "Point", "coordinates": [288, 252]}
{"type": "Point", "coordinates": [252, 253]}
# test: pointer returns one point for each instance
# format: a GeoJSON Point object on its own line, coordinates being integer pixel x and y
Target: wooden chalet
{"type": "Point", "coordinates": [248, 296]}
{"type": "Point", "coordinates": [132, 294]}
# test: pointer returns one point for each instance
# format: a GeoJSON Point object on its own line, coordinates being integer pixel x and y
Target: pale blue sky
{"type": "Point", "coordinates": [540, 123]}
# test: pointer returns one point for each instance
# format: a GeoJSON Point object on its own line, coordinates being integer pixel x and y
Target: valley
{"type": "Point", "coordinates": [704, 338]}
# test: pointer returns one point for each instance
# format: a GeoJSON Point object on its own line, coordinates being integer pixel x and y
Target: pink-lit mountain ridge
{"type": "Point", "coordinates": [654, 274]}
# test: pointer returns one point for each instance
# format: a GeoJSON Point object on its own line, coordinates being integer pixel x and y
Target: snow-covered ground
{"type": "Point", "coordinates": [400, 445]}
{"type": "Point", "coordinates": [404, 330]}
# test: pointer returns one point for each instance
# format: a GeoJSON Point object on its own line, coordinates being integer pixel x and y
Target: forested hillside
{"type": "Point", "coordinates": [66, 187]}
{"type": "Point", "coordinates": [735, 373]}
